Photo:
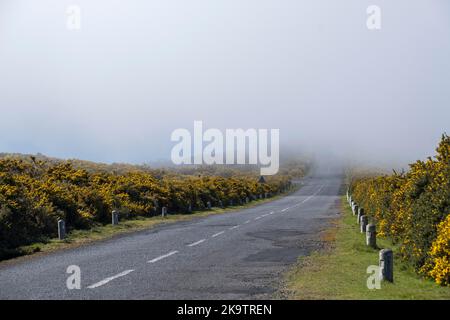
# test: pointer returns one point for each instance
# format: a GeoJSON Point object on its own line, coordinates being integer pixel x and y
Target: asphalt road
{"type": "Point", "coordinates": [237, 255]}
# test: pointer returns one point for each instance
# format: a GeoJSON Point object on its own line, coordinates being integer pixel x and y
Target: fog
{"type": "Point", "coordinates": [114, 90]}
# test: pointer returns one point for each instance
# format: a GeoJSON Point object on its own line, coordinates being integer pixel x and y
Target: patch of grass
{"type": "Point", "coordinates": [340, 271]}
{"type": "Point", "coordinates": [99, 232]}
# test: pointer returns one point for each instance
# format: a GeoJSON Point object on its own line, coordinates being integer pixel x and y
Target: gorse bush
{"type": "Point", "coordinates": [438, 264]}
{"type": "Point", "coordinates": [35, 194]}
{"type": "Point", "coordinates": [413, 209]}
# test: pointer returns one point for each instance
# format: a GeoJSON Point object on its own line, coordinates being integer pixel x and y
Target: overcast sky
{"type": "Point", "coordinates": [116, 89]}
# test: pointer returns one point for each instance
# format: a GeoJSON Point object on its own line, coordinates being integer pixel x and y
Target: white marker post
{"type": "Point", "coordinates": [371, 236]}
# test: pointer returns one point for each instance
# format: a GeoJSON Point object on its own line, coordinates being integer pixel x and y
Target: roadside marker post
{"type": "Point", "coordinates": [363, 222]}
{"type": "Point", "coordinates": [387, 265]}
{"type": "Point", "coordinates": [360, 212]}
{"type": "Point", "coordinates": [61, 229]}
{"type": "Point", "coordinates": [115, 218]}
{"type": "Point", "coordinates": [371, 236]}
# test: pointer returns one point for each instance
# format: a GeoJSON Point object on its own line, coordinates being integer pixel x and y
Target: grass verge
{"type": "Point", "coordinates": [100, 232]}
{"type": "Point", "coordinates": [340, 271]}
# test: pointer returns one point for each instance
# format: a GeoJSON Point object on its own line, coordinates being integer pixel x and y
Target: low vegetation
{"type": "Point", "coordinates": [340, 270]}
{"type": "Point", "coordinates": [412, 209]}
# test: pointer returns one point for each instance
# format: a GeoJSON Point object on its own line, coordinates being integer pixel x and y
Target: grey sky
{"type": "Point", "coordinates": [137, 70]}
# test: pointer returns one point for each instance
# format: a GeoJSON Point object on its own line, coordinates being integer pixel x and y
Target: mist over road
{"type": "Point", "coordinates": [237, 255]}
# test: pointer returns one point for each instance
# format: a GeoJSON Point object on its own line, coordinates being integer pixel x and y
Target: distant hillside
{"type": "Point", "coordinates": [295, 167]}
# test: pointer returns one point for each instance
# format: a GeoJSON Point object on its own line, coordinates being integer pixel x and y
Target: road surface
{"type": "Point", "coordinates": [237, 255]}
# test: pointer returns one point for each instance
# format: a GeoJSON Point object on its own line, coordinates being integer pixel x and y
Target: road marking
{"type": "Point", "coordinates": [265, 215]}
{"type": "Point", "coordinates": [284, 209]}
{"type": "Point", "coordinates": [162, 257]}
{"type": "Point", "coordinates": [315, 193]}
{"type": "Point", "coordinates": [248, 221]}
{"type": "Point", "coordinates": [234, 227]}
{"type": "Point", "coordinates": [271, 212]}
{"type": "Point", "coordinates": [105, 281]}
{"type": "Point", "coordinates": [196, 243]}
{"type": "Point", "coordinates": [257, 218]}
{"type": "Point", "coordinates": [217, 234]}
{"type": "Point", "coordinates": [319, 190]}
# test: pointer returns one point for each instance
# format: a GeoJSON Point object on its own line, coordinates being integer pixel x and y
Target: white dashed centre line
{"type": "Point", "coordinates": [315, 193]}
{"type": "Point", "coordinates": [234, 227]}
{"type": "Point", "coordinates": [196, 243]}
{"type": "Point", "coordinates": [248, 221]}
{"type": "Point", "coordinates": [162, 257]}
{"type": "Point", "coordinates": [217, 234]}
{"type": "Point", "coordinates": [105, 281]}
{"type": "Point", "coordinates": [257, 218]}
